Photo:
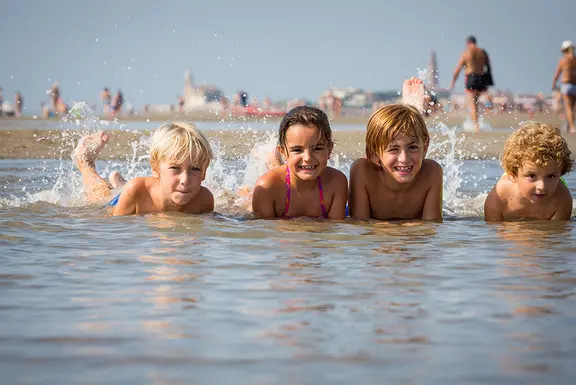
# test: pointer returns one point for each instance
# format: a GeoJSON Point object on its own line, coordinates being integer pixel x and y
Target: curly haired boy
{"type": "Point", "coordinates": [534, 160]}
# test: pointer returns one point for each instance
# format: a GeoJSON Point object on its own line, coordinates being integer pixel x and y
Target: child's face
{"type": "Point", "coordinates": [180, 181]}
{"type": "Point", "coordinates": [306, 154]}
{"type": "Point", "coordinates": [403, 157]}
{"type": "Point", "coordinates": [537, 183]}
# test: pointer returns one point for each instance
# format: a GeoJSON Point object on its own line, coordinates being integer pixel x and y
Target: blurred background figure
{"type": "Point", "coordinates": [18, 104]}
{"type": "Point", "coordinates": [106, 98]}
{"type": "Point", "coordinates": [567, 68]}
{"type": "Point", "coordinates": [117, 103]}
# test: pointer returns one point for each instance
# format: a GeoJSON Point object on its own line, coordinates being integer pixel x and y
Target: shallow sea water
{"type": "Point", "coordinates": [222, 298]}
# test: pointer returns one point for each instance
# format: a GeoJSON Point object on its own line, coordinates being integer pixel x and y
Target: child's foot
{"type": "Point", "coordinates": [413, 93]}
{"type": "Point", "coordinates": [116, 180]}
{"type": "Point", "coordinates": [89, 147]}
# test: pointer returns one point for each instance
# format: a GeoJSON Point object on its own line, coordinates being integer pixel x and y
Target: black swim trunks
{"type": "Point", "coordinates": [478, 83]}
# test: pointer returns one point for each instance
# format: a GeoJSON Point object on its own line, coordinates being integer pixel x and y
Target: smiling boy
{"type": "Point", "coordinates": [394, 180]}
{"type": "Point", "coordinates": [535, 158]}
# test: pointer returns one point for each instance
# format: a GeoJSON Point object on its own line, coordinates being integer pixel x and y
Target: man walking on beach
{"type": "Point", "coordinates": [567, 67]}
{"type": "Point", "coordinates": [478, 75]}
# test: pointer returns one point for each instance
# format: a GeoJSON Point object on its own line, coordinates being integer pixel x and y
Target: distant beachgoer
{"type": "Point", "coordinates": [534, 160]}
{"type": "Point", "coordinates": [55, 97]}
{"type": "Point", "coordinates": [18, 104]}
{"type": "Point", "coordinates": [179, 157]}
{"type": "Point", "coordinates": [1, 101]}
{"type": "Point", "coordinates": [181, 101]}
{"type": "Point", "coordinates": [117, 103]}
{"type": "Point", "coordinates": [567, 67]}
{"type": "Point", "coordinates": [106, 100]}
{"type": "Point", "coordinates": [478, 75]}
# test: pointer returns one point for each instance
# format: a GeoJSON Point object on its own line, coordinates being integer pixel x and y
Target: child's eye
{"type": "Point", "coordinates": [196, 169]}
{"type": "Point", "coordinates": [319, 148]}
{"type": "Point", "coordinates": [174, 168]}
{"type": "Point", "coordinates": [297, 151]}
{"type": "Point", "coordinates": [531, 176]}
{"type": "Point", "coordinates": [392, 150]}
{"type": "Point", "coordinates": [414, 147]}
{"type": "Point", "coordinates": [552, 176]}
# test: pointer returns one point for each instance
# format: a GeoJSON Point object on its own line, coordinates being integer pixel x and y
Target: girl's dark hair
{"type": "Point", "coordinates": [306, 116]}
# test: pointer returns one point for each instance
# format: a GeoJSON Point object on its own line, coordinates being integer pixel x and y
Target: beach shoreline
{"type": "Point", "coordinates": [58, 144]}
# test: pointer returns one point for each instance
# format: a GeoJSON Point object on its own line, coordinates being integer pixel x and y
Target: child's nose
{"type": "Point", "coordinates": [402, 156]}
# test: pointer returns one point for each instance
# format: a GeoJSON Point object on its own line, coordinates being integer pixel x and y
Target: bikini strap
{"type": "Point", "coordinates": [321, 193]}
{"type": "Point", "coordinates": [288, 185]}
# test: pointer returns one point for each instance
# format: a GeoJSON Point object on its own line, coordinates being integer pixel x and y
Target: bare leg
{"type": "Point", "coordinates": [473, 100]}
{"type": "Point", "coordinates": [569, 102]}
{"type": "Point", "coordinates": [413, 93]}
{"type": "Point", "coordinates": [85, 156]}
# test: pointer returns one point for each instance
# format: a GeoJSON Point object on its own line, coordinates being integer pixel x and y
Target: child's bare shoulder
{"type": "Point", "coordinates": [362, 169]}
{"type": "Point", "coordinates": [332, 175]}
{"type": "Point", "coordinates": [138, 187]}
{"type": "Point", "coordinates": [431, 168]}
{"type": "Point", "coordinates": [273, 178]}
{"type": "Point", "coordinates": [203, 202]}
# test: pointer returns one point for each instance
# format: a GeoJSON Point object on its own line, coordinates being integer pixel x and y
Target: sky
{"type": "Point", "coordinates": [280, 49]}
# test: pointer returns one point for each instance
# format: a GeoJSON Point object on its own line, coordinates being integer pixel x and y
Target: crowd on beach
{"type": "Point", "coordinates": [474, 61]}
{"type": "Point", "coordinates": [394, 180]}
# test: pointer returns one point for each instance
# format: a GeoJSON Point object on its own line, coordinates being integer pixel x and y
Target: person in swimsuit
{"type": "Point", "coordinates": [534, 160]}
{"type": "Point", "coordinates": [395, 180]}
{"type": "Point", "coordinates": [567, 67]}
{"type": "Point", "coordinates": [179, 157]}
{"type": "Point", "coordinates": [478, 75]}
{"type": "Point", "coordinates": [305, 186]}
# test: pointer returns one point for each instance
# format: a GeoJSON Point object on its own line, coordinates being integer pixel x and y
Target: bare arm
{"type": "Point", "coordinates": [432, 210]}
{"type": "Point", "coordinates": [338, 207]}
{"type": "Point", "coordinates": [359, 203]}
{"type": "Point", "coordinates": [564, 210]}
{"type": "Point", "coordinates": [127, 203]}
{"type": "Point", "coordinates": [206, 201]}
{"type": "Point", "coordinates": [461, 63]}
{"type": "Point", "coordinates": [557, 74]}
{"type": "Point", "coordinates": [493, 207]}
{"type": "Point", "coordinates": [263, 201]}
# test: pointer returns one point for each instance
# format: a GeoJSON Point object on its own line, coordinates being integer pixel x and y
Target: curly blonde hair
{"type": "Point", "coordinates": [537, 143]}
{"type": "Point", "coordinates": [177, 141]}
{"type": "Point", "coordinates": [391, 122]}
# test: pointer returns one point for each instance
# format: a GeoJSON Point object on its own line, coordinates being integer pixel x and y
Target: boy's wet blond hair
{"type": "Point", "coordinates": [174, 142]}
{"type": "Point", "coordinates": [391, 122]}
{"type": "Point", "coordinates": [537, 143]}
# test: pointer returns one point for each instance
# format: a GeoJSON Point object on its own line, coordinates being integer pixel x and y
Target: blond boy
{"type": "Point", "coordinates": [535, 158]}
{"type": "Point", "coordinates": [179, 156]}
{"type": "Point", "coordinates": [394, 180]}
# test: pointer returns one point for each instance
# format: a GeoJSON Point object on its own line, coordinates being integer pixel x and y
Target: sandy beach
{"type": "Point", "coordinates": [42, 144]}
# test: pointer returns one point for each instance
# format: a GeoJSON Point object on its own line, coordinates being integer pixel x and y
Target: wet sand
{"type": "Point", "coordinates": [56, 144]}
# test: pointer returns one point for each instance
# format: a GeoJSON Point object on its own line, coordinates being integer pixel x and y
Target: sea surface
{"type": "Point", "coordinates": [223, 298]}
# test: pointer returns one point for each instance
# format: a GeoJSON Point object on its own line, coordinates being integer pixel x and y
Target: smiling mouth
{"type": "Point", "coordinates": [404, 169]}
{"type": "Point", "coordinates": [309, 168]}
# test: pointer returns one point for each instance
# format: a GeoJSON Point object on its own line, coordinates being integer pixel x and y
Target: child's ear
{"type": "Point", "coordinates": [512, 178]}
{"type": "Point", "coordinates": [282, 151]}
{"type": "Point", "coordinates": [426, 145]}
{"type": "Point", "coordinates": [374, 159]}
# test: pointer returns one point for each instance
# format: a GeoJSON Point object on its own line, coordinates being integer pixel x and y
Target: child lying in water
{"type": "Point", "coordinates": [179, 156]}
{"type": "Point", "coordinates": [395, 180]}
{"type": "Point", "coordinates": [534, 160]}
{"type": "Point", "coordinates": [305, 186]}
